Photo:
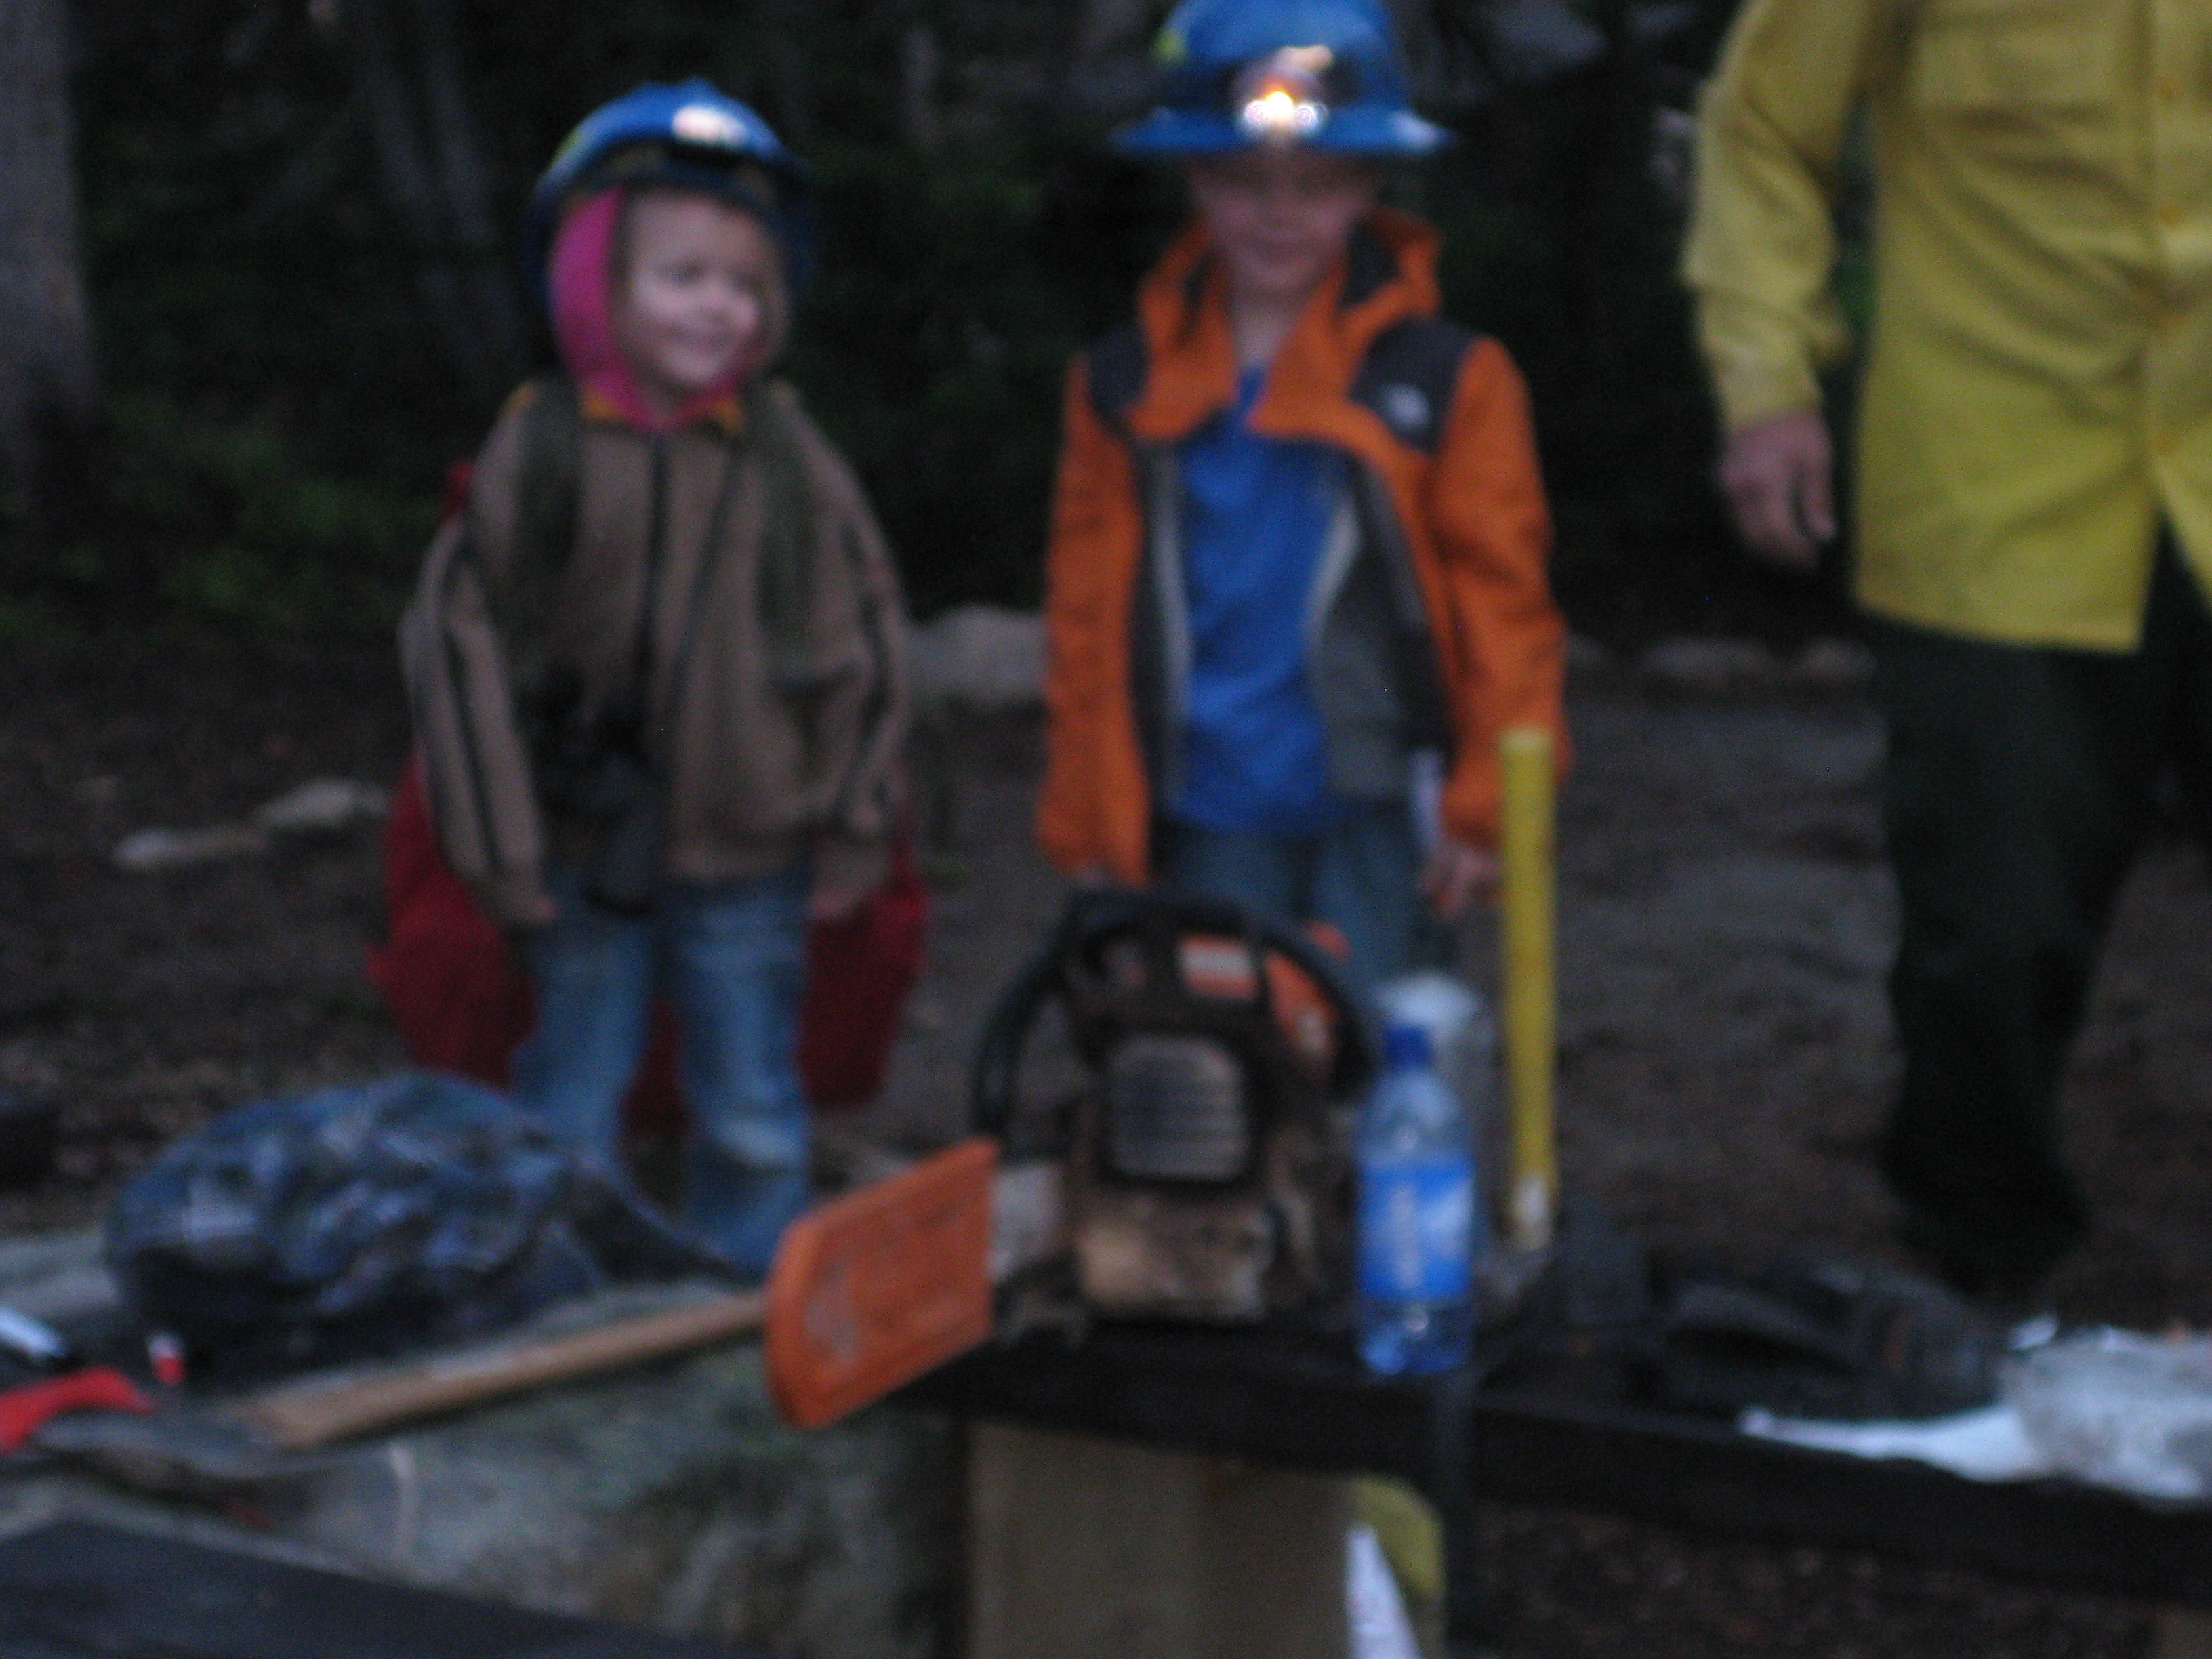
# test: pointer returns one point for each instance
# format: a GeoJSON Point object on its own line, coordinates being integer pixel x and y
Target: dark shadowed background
{"type": "Point", "coordinates": [295, 248]}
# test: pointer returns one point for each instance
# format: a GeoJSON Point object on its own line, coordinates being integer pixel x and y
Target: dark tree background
{"type": "Point", "coordinates": [298, 238]}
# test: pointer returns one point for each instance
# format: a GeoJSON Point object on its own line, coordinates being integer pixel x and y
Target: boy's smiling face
{"type": "Point", "coordinates": [694, 294]}
{"type": "Point", "coordinates": [1280, 216]}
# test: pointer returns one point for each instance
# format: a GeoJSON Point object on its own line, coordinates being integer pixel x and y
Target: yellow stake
{"type": "Point", "coordinates": [1525, 851]}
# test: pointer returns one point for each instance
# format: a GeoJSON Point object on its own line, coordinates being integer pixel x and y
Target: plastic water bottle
{"type": "Point", "coordinates": [1462, 1042]}
{"type": "Point", "coordinates": [1420, 1225]}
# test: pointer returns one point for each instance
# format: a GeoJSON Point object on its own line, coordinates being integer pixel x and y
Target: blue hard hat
{"type": "Point", "coordinates": [1234, 74]}
{"type": "Point", "coordinates": [690, 135]}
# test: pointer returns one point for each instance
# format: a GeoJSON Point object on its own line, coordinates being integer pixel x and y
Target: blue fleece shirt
{"type": "Point", "coordinates": [1255, 514]}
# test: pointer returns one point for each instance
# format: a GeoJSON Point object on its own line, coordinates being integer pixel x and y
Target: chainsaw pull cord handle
{"type": "Point", "coordinates": [1092, 915]}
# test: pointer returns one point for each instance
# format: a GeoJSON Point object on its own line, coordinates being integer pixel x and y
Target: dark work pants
{"type": "Point", "coordinates": [2020, 783]}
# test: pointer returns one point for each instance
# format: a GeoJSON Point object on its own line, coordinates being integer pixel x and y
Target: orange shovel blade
{"type": "Point", "coordinates": [872, 1289]}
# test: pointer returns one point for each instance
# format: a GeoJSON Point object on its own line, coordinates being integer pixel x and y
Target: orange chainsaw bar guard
{"type": "Point", "coordinates": [870, 1289]}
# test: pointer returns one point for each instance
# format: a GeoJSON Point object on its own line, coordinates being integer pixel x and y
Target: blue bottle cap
{"type": "Point", "coordinates": [1405, 1046]}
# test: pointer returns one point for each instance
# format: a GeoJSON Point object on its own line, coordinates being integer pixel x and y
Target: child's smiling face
{"type": "Point", "coordinates": [694, 298]}
{"type": "Point", "coordinates": [1280, 216]}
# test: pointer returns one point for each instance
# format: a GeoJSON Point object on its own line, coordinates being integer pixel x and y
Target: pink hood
{"type": "Point", "coordinates": [577, 284]}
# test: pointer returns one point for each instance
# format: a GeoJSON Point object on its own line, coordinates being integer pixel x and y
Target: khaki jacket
{"type": "Point", "coordinates": [2038, 393]}
{"type": "Point", "coordinates": [768, 756]}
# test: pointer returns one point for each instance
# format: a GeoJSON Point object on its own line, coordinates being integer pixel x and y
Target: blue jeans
{"type": "Point", "coordinates": [731, 958]}
{"type": "Point", "coordinates": [1361, 875]}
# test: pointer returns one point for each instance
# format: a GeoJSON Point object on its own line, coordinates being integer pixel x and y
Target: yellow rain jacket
{"type": "Point", "coordinates": [2038, 389]}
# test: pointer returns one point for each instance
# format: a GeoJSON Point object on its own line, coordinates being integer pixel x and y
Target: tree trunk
{"type": "Point", "coordinates": [431, 166]}
{"type": "Point", "coordinates": [48, 386]}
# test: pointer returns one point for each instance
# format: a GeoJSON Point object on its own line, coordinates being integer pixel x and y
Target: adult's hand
{"type": "Point", "coordinates": [1779, 475]}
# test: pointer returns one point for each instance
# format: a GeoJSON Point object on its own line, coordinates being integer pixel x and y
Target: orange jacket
{"type": "Point", "coordinates": [1447, 496]}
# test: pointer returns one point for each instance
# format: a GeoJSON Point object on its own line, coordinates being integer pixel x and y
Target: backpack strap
{"type": "Point", "coordinates": [1407, 376]}
{"type": "Point", "coordinates": [786, 597]}
{"type": "Point", "coordinates": [545, 516]}
{"type": "Point", "coordinates": [1116, 371]}
{"type": "Point", "coordinates": [552, 434]}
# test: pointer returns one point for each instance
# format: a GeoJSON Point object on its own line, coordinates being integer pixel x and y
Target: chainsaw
{"type": "Point", "coordinates": [1222, 1056]}
{"type": "Point", "coordinates": [1206, 1162]}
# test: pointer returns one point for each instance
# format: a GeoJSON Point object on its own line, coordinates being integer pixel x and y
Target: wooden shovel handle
{"type": "Point", "coordinates": [302, 1416]}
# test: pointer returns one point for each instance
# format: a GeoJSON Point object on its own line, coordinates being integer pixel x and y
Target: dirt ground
{"type": "Point", "coordinates": [1724, 1047]}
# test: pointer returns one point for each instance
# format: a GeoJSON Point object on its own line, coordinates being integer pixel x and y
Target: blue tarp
{"type": "Point", "coordinates": [379, 1215]}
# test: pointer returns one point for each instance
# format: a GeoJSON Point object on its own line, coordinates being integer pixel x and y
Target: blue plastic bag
{"type": "Point", "coordinates": [374, 1218]}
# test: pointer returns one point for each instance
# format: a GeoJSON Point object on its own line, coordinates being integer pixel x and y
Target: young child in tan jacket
{"type": "Point", "coordinates": [656, 662]}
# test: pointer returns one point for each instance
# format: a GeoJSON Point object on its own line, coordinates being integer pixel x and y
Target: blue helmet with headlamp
{"type": "Point", "coordinates": [1238, 74]}
{"type": "Point", "coordinates": [691, 138]}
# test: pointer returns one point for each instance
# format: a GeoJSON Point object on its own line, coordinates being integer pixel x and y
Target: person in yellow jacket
{"type": "Point", "coordinates": [2033, 524]}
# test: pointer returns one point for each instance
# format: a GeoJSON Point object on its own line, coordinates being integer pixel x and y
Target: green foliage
{"type": "Point", "coordinates": [25, 623]}
{"type": "Point", "coordinates": [257, 533]}
{"type": "Point", "coordinates": [277, 422]}
{"type": "Point", "coordinates": [954, 288]}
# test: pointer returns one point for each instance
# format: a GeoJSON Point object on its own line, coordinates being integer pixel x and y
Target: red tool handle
{"type": "Point", "coordinates": [24, 1411]}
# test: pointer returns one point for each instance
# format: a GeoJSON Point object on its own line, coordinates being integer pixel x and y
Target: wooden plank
{"type": "Point", "coordinates": [1083, 1548]}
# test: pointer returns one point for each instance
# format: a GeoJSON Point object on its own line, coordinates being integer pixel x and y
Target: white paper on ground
{"type": "Point", "coordinates": [1380, 1628]}
{"type": "Point", "coordinates": [1985, 1445]}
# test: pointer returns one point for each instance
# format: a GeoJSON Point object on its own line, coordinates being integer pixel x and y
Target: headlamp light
{"type": "Point", "coordinates": [708, 126]}
{"type": "Point", "coordinates": [1280, 99]}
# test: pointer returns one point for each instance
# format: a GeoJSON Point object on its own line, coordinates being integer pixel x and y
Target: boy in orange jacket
{"type": "Point", "coordinates": [1299, 535]}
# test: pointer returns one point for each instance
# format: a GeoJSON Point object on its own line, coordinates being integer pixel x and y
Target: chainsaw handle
{"type": "Point", "coordinates": [1005, 1032]}
{"type": "Point", "coordinates": [1093, 914]}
